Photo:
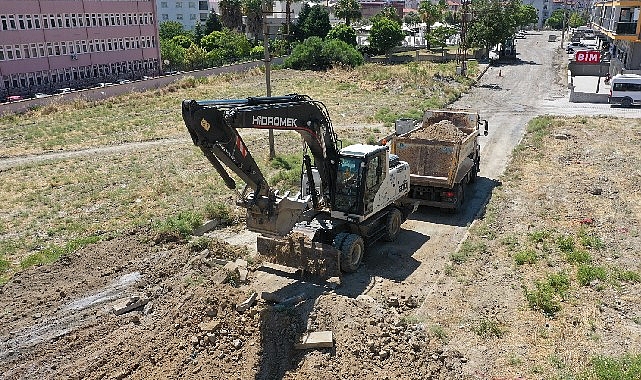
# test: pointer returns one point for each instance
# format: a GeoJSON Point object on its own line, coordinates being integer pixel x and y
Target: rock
{"type": "Point", "coordinates": [208, 327]}
{"type": "Point", "coordinates": [561, 136]}
{"type": "Point", "coordinates": [237, 343]}
{"type": "Point", "coordinates": [242, 274]}
{"type": "Point", "coordinates": [220, 276]}
{"type": "Point", "coordinates": [384, 354]}
{"type": "Point", "coordinates": [208, 226]}
{"type": "Point", "coordinates": [392, 301]}
{"type": "Point", "coordinates": [243, 306]}
{"type": "Point", "coordinates": [149, 308]}
{"type": "Point", "coordinates": [128, 304]}
{"type": "Point", "coordinates": [596, 191]}
{"type": "Point", "coordinates": [318, 339]}
{"type": "Point", "coordinates": [194, 340]}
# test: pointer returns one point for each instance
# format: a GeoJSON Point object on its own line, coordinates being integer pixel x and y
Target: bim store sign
{"type": "Point", "coordinates": [591, 56]}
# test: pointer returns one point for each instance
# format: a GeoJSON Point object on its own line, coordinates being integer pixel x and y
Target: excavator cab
{"type": "Point", "coordinates": [360, 172]}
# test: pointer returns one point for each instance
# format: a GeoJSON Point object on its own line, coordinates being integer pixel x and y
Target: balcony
{"type": "Point", "coordinates": [626, 28]}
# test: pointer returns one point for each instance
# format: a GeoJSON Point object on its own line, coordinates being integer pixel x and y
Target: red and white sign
{"type": "Point", "coordinates": [589, 56]}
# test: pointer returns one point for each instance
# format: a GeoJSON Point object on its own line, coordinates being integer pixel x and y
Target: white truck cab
{"type": "Point", "coordinates": [625, 89]}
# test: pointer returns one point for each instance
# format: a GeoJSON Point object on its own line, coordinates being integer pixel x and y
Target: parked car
{"type": "Point", "coordinates": [62, 91]}
{"type": "Point", "coordinates": [40, 95]}
{"type": "Point", "coordinates": [573, 47]}
{"type": "Point", "coordinates": [123, 81]}
{"type": "Point", "coordinates": [14, 98]}
{"type": "Point", "coordinates": [104, 84]}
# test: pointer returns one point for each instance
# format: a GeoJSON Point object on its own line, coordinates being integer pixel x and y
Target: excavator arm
{"type": "Point", "coordinates": [214, 127]}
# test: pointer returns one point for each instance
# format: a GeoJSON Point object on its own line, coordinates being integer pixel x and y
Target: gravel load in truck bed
{"type": "Point", "coordinates": [444, 130]}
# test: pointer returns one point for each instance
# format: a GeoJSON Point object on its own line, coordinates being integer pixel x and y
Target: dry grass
{"type": "Point", "coordinates": [571, 198]}
{"type": "Point", "coordinates": [52, 203]}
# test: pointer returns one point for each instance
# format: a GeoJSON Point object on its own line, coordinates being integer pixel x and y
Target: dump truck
{"type": "Point", "coordinates": [444, 156]}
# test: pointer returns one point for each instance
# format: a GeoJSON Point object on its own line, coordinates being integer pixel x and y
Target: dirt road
{"type": "Point", "coordinates": [402, 315]}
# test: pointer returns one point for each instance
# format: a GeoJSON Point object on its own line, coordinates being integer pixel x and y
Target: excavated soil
{"type": "Point", "coordinates": [443, 130]}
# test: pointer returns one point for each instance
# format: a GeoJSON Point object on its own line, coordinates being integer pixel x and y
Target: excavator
{"type": "Point", "coordinates": [349, 197]}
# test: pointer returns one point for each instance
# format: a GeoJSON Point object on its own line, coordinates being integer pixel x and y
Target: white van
{"type": "Point", "coordinates": [625, 89]}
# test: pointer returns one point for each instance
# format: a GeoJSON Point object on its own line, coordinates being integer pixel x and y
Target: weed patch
{"type": "Point", "coordinates": [51, 254]}
{"type": "Point", "coordinates": [627, 367]}
{"type": "Point", "coordinates": [526, 256]}
{"type": "Point", "coordinates": [548, 294]}
{"type": "Point", "coordinates": [488, 328]}
{"type": "Point", "coordinates": [467, 250]}
{"type": "Point", "coordinates": [588, 273]}
{"type": "Point", "coordinates": [178, 227]}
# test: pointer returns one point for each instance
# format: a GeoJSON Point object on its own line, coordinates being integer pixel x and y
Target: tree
{"type": "Point", "coordinates": [316, 23]}
{"type": "Point", "coordinates": [213, 23]}
{"type": "Point", "coordinates": [170, 29]}
{"type": "Point", "coordinates": [227, 45]}
{"type": "Point", "coordinates": [555, 21]}
{"type": "Point", "coordinates": [440, 34]}
{"type": "Point", "coordinates": [526, 15]}
{"type": "Point", "coordinates": [388, 13]}
{"type": "Point", "coordinates": [199, 32]}
{"type": "Point", "coordinates": [348, 10]}
{"type": "Point", "coordinates": [254, 15]}
{"type": "Point", "coordinates": [494, 23]}
{"type": "Point", "coordinates": [576, 20]}
{"type": "Point", "coordinates": [173, 53]}
{"type": "Point", "coordinates": [297, 30]}
{"type": "Point", "coordinates": [344, 33]}
{"type": "Point", "coordinates": [195, 57]}
{"type": "Point", "coordinates": [316, 54]}
{"type": "Point", "coordinates": [385, 35]}
{"type": "Point", "coordinates": [412, 18]}
{"type": "Point", "coordinates": [430, 13]}
{"type": "Point", "coordinates": [231, 15]}
{"type": "Point", "coordinates": [183, 41]}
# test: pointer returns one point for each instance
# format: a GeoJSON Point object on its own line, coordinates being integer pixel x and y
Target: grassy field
{"type": "Point", "coordinates": [50, 207]}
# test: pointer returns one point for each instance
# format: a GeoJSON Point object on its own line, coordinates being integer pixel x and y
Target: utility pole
{"type": "Point", "coordinates": [268, 82]}
{"type": "Point", "coordinates": [462, 49]}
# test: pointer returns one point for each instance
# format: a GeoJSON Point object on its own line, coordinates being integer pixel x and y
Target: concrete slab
{"type": "Point", "coordinates": [317, 339]}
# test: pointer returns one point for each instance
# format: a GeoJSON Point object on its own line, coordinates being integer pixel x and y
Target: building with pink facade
{"type": "Point", "coordinates": [50, 44]}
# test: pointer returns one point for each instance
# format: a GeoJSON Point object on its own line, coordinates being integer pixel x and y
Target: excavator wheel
{"type": "Point", "coordinates": [352, 250]}
{"type": "Point", "coordinates": [393, 224]}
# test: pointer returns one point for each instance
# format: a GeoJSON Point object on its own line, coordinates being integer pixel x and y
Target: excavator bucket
{"type": "Point", "coordinates": [297, 250]}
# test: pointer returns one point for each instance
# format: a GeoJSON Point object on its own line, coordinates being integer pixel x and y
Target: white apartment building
{"type": "Point", "coordinates": [186, 12]}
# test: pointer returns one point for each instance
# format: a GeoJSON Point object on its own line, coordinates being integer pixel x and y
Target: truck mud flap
{"type": "Point", "coordinates": [297, 251]}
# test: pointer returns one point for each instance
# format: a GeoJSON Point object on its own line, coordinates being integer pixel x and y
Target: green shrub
{"type": "Point", "coordinates": [343, 32]}
{"type": "Point", "coordinates": [316, 54]}
{"type": "Point", "coordinates": [578, 256]}
{"type": "Point", "coordinates": [547, 295]}
{"type": "Point", "coordinates": [588, 273]}
{"type": "Point", "coordinates": [538, 236]}
{"type": "Point", "coordinates": [565, 243]}
{"type": "Point", "coordinates": [489, 328]}
{"type": "Point", "coordinates": [626, 276]}
{"type": "Point", "coordinates": [178, 227]}
{"type": "Point", "coordinates": [219, 211]}
{"type": "Point", "coordinates": [257, 52]}
{"type": "Point", "coordinates": [527, 256]}
{"type": "Point", "coordinates": [289, 172]}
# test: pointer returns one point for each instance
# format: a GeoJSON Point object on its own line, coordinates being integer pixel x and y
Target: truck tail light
{"type": "Point", "coordinates": [448, 194]}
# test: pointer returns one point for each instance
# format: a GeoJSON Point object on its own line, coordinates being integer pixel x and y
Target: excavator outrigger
{"type": "Point", "coordinates": [349, 199]}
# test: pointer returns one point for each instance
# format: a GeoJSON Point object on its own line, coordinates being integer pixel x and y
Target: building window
{"type": "Point", "coordinates": [192, 4]}
{"type": "Point", "coordinates": [163, 4]}
{"type": "Point", "coordinates": [179, 4]}
{"type": "Point", "coordinates": [203, 17]}
{"type": "Point", "coordinates": [192, 16]}
{"type": "Point", "coordinates": [3, 22]}
{"type": "Point", "coordinates": [203, 6]}
{"type": "Point", "coordinates": [179, 16]}
{"type": "Point", "coordinates": [165, 16]}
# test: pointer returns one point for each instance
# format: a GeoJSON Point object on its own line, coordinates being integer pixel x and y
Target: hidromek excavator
{"type": "Point", "coordinates": [350, 197]}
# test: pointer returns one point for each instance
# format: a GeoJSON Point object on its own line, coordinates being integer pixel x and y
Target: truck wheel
{"type": "Point", "coordinates": [626, 102]}
{"type": "Point", "coordinates": [352, 253]}
{"type": "Point", "coordinates": [339, 239]}
{"type": "Point", "coordinates": [393, 224]}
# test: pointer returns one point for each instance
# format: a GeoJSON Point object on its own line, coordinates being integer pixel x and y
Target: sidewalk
{"type": "Point", "coordinates": [583, 89]}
